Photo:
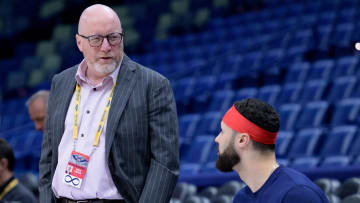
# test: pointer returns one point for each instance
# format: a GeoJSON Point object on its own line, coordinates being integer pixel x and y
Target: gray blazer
{"type": "Point", "coordinates": [141, 136]}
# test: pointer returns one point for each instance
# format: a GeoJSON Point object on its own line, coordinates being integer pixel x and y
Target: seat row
{"type": "Point", "coordinates": [310, 147]}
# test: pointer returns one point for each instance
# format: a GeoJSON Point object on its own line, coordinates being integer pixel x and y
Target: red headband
{"type": "Point", "coordinates": [239, 123]}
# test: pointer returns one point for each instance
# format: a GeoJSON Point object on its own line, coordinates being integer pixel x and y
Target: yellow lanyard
{"type": "Point", "coordinates": [9, 187]}
{"type": "Point", "coordinates": [103, 117]}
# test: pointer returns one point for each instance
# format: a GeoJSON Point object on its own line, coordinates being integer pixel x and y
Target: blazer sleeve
{"type": "Point", "coordinates": [45, 179]}
{"type": "Point", "coordinates": [164, 167]}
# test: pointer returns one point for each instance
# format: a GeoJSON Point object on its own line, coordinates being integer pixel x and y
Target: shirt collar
{"type": "Point", "coordinates": [3, 186]}
{"type": "Point", "coordinates": [81, 78]}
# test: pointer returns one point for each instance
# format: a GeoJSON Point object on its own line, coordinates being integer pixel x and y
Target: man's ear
{"type": "Point", "coordinates": [3, 164]}
{"type": "Point", "coordinates": [78, 42]}
{"type": "Point", "coordinates": [242, 140]}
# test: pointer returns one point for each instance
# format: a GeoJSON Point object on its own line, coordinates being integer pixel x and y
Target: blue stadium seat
{"type": "Point", "coordinates": [326, 18]}
{"type": "Point", "coordinates": [313, 115]}
{"type": "Point", "coordinates": [194, 52]}
{"type": "Point", "coordinates": [8, 65]}
{"type": "Point", "coordinates": [271, 58]}
{"type": "Point", "coordinates": [356, 92]}
{"type": "Point", "coordinates": [342, 88]}
{"type": "Point", "coordinates": [313, 90]}
{"type": "Point", "coordinates": [338, 141]}
{"type": "Point", "coordinates": [289, 114]}
{"type": "Point", "coordinates": [277, 42]}
{"type": "Point", "coordinates": [199, 149]}
{"type": "Point", "coordinates": [356, 161]}
{"type": "Point", "coordinates": [245, 93]}
{"type": "Point", "coordinates": [312, 7]}
{"type": "Point", "coordinates": [347, 14]}
{"type": "Point", "coordinates": [182, 191]}
{"type": "Point", "coordinates": [221, 100]}
{"type": "Point", "coordinates": [6, 123]}
{"type": "Point", "coordinates": [253, 28]}
{"type": "Point", "coordinates": [346, 112]}
{"type": "Point", "coordinates": [225, 81]}
{"type": "Point", "coordinates": [305, 162]}
{"type": "Point", "coordinates": [290, 22]}
{"type": "Point", "coordinates": [30, 62]}
{"type": "Point", "coordinates": [231, 64]}
{"type": "Point", "coordinates": [321, 69]}
{"type": "Point", "coordinates": [283, 141]}
{"type": "Point", "coordinates": [172, 57]}
{"type": "Point", "coordinates": [190, 39]}
{"type": "Point", "coordinates": [202, 91]}
{"type": "Point", "coordinates": [345, 66]}
{"type": "Point", "coordinates": [210, 165]}
{"type": "Point", "coordinates": [204, 38]}
{"type": "Point", "coordinates": [308, 20]}
{"type": "Point", "coordinates": [297, 72]}
{"type": "Point", "coordinates": [283, 162]}
{"type": "Point", "coordinates": [197, 154]}
{"type": "Point", "coordinates": [269, 93]}
{"type": "Point", "coordinates": [290, 93]}
{"type": "Point", "coordinates": [14, 106]}
{"type": "Point", "coordinates": [295, 54]}
{"type": "Point", "coordinates": [189, 168]}
{"type": "Point", "coordinates": [355, 147]}
{"type": "Point", "coordinates": [250, 61]}
{"type": "Point", "coordinates": [301, 37]}
{"type": "Point", "coordinates": [305, 142]}
{"type": "Point", "coordinates": [36, 151]}
{"type": "Point", "coordinates": [209, 123]}
{"type": "Point", "coordinates": [341, 35]}
{"type": "Point", "coordinates": [21, 118]}
{"type": "Point", "coordinates": [183, 88]}
{"type": "Point", "coordinates": [336, 161]}
{"type": "Point", "coordinates": [187, 126]}
{"type": "Point", "coordinates": [322, 36]}
{"type": "Point", "coordinates": [346, 4]}
{"type": "Point", "coordinates": [22, 142]}
{"type": "Point", "coordinates": [295, 9]}
{"type": "Point", "coordinates": [271, 25]}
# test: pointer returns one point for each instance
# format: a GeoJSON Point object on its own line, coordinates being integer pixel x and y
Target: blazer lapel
{"type": "Point", "coordinates": [124, 85]}
{"type": "Point", "coordinates": [67, 88]}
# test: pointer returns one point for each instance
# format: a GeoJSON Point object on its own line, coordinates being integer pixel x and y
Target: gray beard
{"type": "Point", "coordinates": [105, 69]}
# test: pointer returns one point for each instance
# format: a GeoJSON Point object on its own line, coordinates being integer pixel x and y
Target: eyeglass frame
{"type": "Point", "coordinates": [102, 38]}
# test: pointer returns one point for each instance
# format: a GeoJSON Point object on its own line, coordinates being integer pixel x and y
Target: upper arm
{"type": "Point", "coordinates": [46, 153]}
{"type": "Point", "coordinates": [163, 124]}
{"type": "Point", "coordinates": [163, 133]}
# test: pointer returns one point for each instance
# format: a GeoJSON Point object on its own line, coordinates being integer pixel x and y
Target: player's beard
{"type": "Point", "coordinates": [227, 160]}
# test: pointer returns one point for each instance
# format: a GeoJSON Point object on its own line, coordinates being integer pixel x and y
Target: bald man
{"type": "Point", "coordinates": [37, 105]}
{"type": "Point", "coordinates": [111, 131]}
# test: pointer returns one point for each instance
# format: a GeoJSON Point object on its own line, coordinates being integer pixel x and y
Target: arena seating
{"type": "Point", "coordinates": [297, 55]}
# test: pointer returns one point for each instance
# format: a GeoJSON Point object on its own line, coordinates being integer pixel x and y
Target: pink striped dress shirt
{"type": "Point", "coordinates": [97, 182]}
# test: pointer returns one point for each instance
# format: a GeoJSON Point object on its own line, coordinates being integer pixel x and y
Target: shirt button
{"type": "Point", "coordinates": [87, 111]}
{"type": "Point", "coordinates": [82, 135]}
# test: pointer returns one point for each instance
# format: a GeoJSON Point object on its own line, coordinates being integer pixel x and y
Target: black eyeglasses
{"type": "Point", "coordinates": [97, 40]}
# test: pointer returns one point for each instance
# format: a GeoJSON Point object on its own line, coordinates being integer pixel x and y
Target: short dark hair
{"type": "Point", "coordinates": [7, 153]}
{"type": "Point", "coordinates": [263, 115]}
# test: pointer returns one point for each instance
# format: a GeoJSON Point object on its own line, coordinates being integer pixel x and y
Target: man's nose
{"type": "Point", "coordinates": [38, 126]}
{"type": "Point", "coordinates": [216, 139]}
{"type": "Point", "coordinates": [105, 46]}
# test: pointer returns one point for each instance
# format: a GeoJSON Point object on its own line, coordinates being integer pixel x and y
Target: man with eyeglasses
{"type": "Point", "coordinates": [111, 128]}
